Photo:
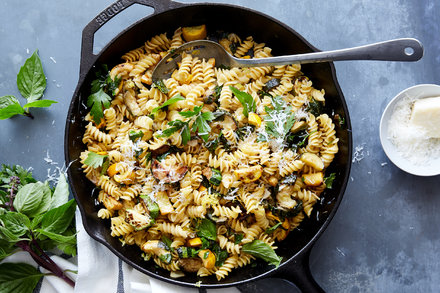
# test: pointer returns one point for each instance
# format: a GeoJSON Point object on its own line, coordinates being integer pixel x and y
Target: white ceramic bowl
{"type": "Point", "coordinates": [419, 91]}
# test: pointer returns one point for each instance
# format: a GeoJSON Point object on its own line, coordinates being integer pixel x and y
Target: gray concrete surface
{"type": "Point", "coordinates": [385, 236]}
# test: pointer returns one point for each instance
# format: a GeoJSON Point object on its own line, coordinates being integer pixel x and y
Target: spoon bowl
{"type": "Point", "coordinates": [406, 49]}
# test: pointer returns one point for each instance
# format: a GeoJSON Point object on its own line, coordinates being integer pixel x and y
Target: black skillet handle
{"type": "Point", "coordinates": [87, 56]}
{"type": "Point", "coordinates": [296, 272]}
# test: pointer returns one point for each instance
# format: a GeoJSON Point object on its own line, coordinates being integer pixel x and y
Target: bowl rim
{"type": "Point", "coordinates": [389, 148]}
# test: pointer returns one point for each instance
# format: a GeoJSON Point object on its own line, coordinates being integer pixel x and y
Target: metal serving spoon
{"type": "Point", "coordinates": [406, 49]}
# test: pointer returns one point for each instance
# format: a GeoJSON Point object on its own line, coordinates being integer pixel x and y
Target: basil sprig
{"type": "Point", "coordinates": [31, 83]}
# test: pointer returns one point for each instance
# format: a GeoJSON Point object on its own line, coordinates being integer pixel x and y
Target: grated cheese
{"type": "Point", "coordinates": [411, 141]}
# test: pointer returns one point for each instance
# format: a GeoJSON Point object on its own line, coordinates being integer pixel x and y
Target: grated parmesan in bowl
{"type": "Point", "coordinates": [409, 145]}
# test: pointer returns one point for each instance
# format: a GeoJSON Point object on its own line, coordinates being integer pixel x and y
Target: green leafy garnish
{"type": "Point", "coordinates": [315, 107]}
{"type": "Point", "coordinates": [245, 99]}
{"type": "Point", "coordinates": [98, 101]}
{"type": "Point", "coordinates": [176, 125]}
{"type": "Point", "coordinates": [329, 180]}
{"type": "Point", "coordinates": [95, 160]}
{"type": "Point", "coordinates": [167, 242]}
{"type": "Point", "coordinates": [200, 124]}
{"type": "Point", "coordinates": [279, 120]}
{"type": "Point", "coordinates": [134, 135]}
{"type": "Point", "coordinates": [171, 101]}
{"type": "Point", "coordinates": [207, 229]}
{"type": "Point", "coordinates": [102, 87]}
{"type": "Point", "coordinates": [261, 250]}
{"type": "Point", "coordinates": [31, 83]}
{"type": "Point", "coordinates": [166, 258]}
{"type": "Point", "coordinates": [270, 230]}
{"type": "Point", "coordinates": [161, 86]}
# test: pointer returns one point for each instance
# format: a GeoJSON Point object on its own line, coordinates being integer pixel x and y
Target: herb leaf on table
{"type": "Point", "coordinates": [31, 83]}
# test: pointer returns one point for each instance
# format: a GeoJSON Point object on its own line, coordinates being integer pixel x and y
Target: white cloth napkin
{"type": "Point", "coordinates": [98, 270]}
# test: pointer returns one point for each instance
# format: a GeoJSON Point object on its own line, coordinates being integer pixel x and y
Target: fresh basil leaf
{"type": "Point", "coordinates": [7, 101]}
{"type": "Point", "coordinates": [36, 221]}
{"type": "Point", "coordinates": [58, 219]}
{"type": "Point", "coordinates": [329, 180]}
{"type": "Point", "coordinates": [57, 237]}
{"type": "Point", "coordinates": [261, 250]}
{"type": "Point", "coordinates": [161, 86]}
{"type": "Point", "coordinates": [207, 229]}
{"type": "Point", "coordinates": [245, 99]}
{"type": "Point", "coordinates": [8, 236]}
{"type": "Point", "coordinates": [6, 249]}
{"type": "Point", "coordinates": [173, 100]}
{"type": "Point", "coordinates": [61, 194]}
{"type": "Point", "coordinates": [39, 104]}
{"type": "Point", "coordinates": [18, 277]}
{"type": "Point", "coordinates": [11, 110]}
{"type": "Point", "coordinates": [7, 172]}
{"type": "Point", "coordinates": [315, 107]}
{"type": "Point", "coordinates": [95, 160]}
{"type": "Point", "coordinates": [273, 228]}
{"type": "Point", "coordinates": [33, 199]}
{"type": "Point", "coordinates": [98, 101]}
{"type": "Point", "coordinates": [16, 223]}
{"type": "Point", "coordinates": [31, 81]}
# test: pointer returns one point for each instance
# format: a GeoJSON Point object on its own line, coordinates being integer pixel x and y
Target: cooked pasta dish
{"type": "Point", "coordinates": [207, 170]}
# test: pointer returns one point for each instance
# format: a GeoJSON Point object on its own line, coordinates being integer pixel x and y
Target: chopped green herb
{"type": "Point", "coordinates": [329, 180]}
{"type": "Point", "coordinates": [273, 228]}
{"type": "Point", "coordinates": [161, 86]}
{"type": "Point", "coordinates": [216, 177]}
{"type": "Point", "coordinates": [167, 242]}
{"type": "Point", "coordinates": [135, 135]}
{"type": "Point", "coordinates": [171, 101]}
{"type": "Point", "coordinates": [238, 237]}
{"type": "Point", "coordinates": [205, 255]}
{"type": "Point", "coordinates": [245, 99]}
{"type": "Point", "coordinates": [279, 120]}
{"type": "Point", "coordinates": [166, 258]}
{"type": "Point", "coordinates": [315, 107]}
{"type": "Point", "coordinates": [175, 126]}
{"type": "Point", "coordinates": [95, 160]}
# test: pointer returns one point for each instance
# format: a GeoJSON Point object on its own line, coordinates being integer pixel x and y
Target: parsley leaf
{"type": "Point", "coordinates": [95, 160]}
{"type": "Point", "coordinates": [174, 99]}
{"type": "Point", "coordinates": [98, 101]}
{"type": "Point", "coordinates": [245, 99]}
{"type": "Point", "coordinates": [102, 87]}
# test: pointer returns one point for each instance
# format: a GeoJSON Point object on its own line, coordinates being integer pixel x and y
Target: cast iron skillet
{"type": "Point", "coordinates": [167, 16]}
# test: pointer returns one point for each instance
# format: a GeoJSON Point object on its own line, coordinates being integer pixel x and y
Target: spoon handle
{"type": "Point", "coordinates": [406, 49]}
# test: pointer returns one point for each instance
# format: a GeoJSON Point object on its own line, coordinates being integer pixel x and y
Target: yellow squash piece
{"type": "Point", "coordinates": [195, 242]}
{"type": "Point", "coordinates": [313, 179]}
{"type": "Point", "coordinates": [254, 119]}
{"type": "Point", "coordinates": [208, 258]}
{"type": "Point", "coordinates": [248, 175]}
{"type": "Point", "coordinates": [313, 161]}
{"type": "Point", "coordinates": [164, 203]}
{"type": "Point", "coordinates": [192, 33]}
{"type": "Point", "coordinates": [111, 171]}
